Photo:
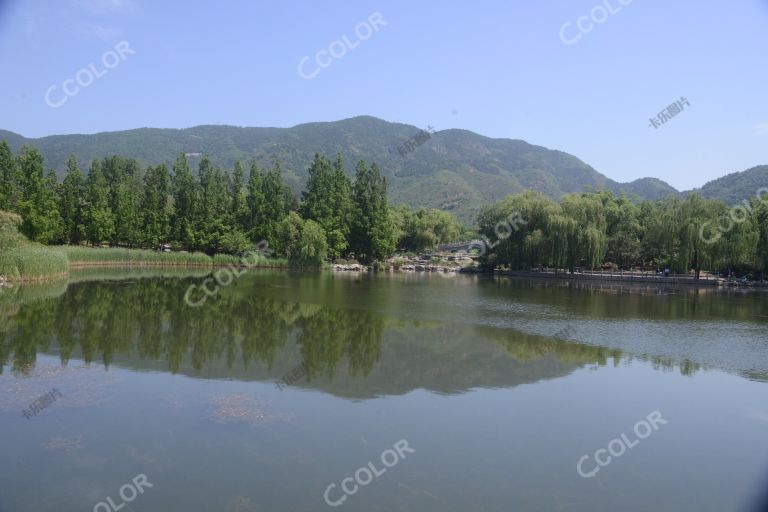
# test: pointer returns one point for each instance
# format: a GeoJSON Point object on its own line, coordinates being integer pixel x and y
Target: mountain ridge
{"type": "Point", "coordinates": [454, 169]}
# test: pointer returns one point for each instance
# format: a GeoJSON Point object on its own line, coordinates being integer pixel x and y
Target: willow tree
{"type": "Point", "coordinates": [587, 238]}
{"type": "Point", "coordinates": [302, 241]}
{"type": "Point", "coordinates": [518, 230]}
{"type": "Point", "coordinates": [660, 220]}
{"type": "Point", "coordinates": [760, 223]}
{"type": "Point", "coordinates": [623, 229]}
{"type": "Point", "coordinates": [417, 230]}
{"type": "Point", "coordinates": [694, 251]}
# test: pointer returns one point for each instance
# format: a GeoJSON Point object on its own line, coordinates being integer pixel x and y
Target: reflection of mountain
{"type": "Point", "coordinates": [348, 337]}
{"type": "Point", "coordinates": [144, 325]}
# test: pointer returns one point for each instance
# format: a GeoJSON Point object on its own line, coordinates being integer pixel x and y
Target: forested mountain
{"type": "Point", "coordinates": [737, 186]}
{"type": "Point", "coordinates": [454, 170]}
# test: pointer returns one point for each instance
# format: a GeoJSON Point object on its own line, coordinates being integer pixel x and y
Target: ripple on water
{"type": "Point", "coordinates": [80, 385]}
{"type": "Point", "coordinates": [242, 408]}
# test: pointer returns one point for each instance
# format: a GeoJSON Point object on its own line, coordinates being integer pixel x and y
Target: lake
{"type": "Point", "coordinates": [406, 392]}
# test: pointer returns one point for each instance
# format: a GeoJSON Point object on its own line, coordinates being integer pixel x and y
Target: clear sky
{"type": "Point", "coordinates": [499, 68]}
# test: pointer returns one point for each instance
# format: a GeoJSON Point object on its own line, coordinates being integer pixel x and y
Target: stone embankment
{"type": "Point", "coordinates": [422, 263]}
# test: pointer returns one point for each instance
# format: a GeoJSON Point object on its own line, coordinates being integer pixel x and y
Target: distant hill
{"type": "Point", "coordinates": [737, 186]}
{"type": "Point", "coordinates": [455, 170]}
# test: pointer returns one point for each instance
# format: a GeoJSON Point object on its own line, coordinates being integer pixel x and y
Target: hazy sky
{"type": "Point", "coordinates": [499, 68]}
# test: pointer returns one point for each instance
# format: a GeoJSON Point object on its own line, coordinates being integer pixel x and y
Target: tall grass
{"type": "Point", "coordinates": [33, 262]}
{"type": "Point", "coordinates": [118, 256]}
{"type": "Point", "coordinates": [250, 261]}
{"type": "Point", "coordinates": [28, 262]}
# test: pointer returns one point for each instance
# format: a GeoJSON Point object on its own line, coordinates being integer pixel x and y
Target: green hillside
{"type": "Point", "coordinates": [455, 170]}
{"type": "Point", "coordinates": [737, 186]}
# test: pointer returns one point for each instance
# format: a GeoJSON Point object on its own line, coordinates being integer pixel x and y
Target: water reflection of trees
{"type": "Point", "coordinates": [98, 321]}
{"type": "Point", "coordinates": [617, 300]}
{"type": "Point", "coordinates": [144, 323]}
{"type": "Point", "coordinates": [526, 347]}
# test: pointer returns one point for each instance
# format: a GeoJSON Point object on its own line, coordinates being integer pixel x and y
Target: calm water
{"type": "Point", "coordinates": [498, 388]}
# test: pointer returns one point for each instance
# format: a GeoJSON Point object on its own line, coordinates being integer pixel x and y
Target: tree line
{"type": "Point", "coordinates": [117, 202]}
{"type": "Point", "coordinates": [592, 229]}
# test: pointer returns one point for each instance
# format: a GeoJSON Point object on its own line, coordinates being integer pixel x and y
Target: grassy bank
{"type": "Point", "coordinates": [224, 260]}
{"type": "Point", "coordinates": [31, 262]}
{"type": "Point", "coordinates": [113, 256]}
{"type": "Point", "coordinates": [80, 256]}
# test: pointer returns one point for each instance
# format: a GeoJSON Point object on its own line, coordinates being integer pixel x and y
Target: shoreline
{"type": "Point", "coordinates": [81, 265]}
{"type": "Point", "coordinates": [547, 276]}
{"type": "Point", "coordinates": [616, 277]}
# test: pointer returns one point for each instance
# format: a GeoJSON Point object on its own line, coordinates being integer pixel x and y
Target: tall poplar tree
{"type": "Point", "coordinates": [372, 233]}
{"type": "Point", "coordinates": [186, 194]}
{"type": "Point", "coordinates": [239, 194]}
{"type": "Point", "coordinates": [99, 219]}
{"type": "Point", "coordinates": [157, 206]}
{"type": "Point", "coordinates": [254, 202]}
{"type": "Point", "coordinates": [38, 206]}
{"type": "Point", "coordinates": [9, 179]}
{"type": "Point", "coordinates": [328, 201]}
{"type": "Point", "coordinates": [277, 198]}
{"type": "Point", "coordinates": [128, 196]}
{"type": "Point", "coordinates": [214, 206]}
{"type": "Point", "coordinates": [71, 202]}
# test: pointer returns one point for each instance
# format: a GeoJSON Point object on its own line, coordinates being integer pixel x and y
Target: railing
{"type": "Point", "coordinates": [621, 275]}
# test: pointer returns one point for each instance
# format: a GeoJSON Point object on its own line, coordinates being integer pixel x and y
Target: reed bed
{"type": "Point", "coordinates": [84, 256]}
{"type": "Point", "coordinates": [28, 262]}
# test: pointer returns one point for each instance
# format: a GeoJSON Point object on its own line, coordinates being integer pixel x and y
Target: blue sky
{"type": "Point", "coordinates": [499, 68]}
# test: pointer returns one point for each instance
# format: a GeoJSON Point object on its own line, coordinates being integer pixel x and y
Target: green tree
{"type": "Point", "coordinates": [239, 194]}
{"type": "Point", "coordinates": [694, 252]}
{"type": "Point", "coordinates": [128, 198]}
{"type": "Point", "coordinates": [277, 202]}
{"type": "Point", "coordinates": [99, 219]}
{"type": "Point", "coordinates": [157, 206]}
{"type": "Point", "coordinates": [587, 241]}
{"type": "Point", "coordinates": [760, 223]}
{"type": "Point", "coordinates": [187, 204]}
{"type": "Point", "coordinates": [254, 202]}
{"type": "Point", "coordinates": [303, 242]}
{"type": "Point", "coordinates": [372, 233]}
{"type": "Point", "coordinates": [71, 202]}
{"type": "Point", "coordinates": [520, 231]}
{"type": "Point", "coordinates": [623, 229]}
{"type": "Point", "coordinates": [112, 169]}
{"type": "Point", "coordinates": [328, 201]}
{"type": "Point", "coordinates": [423, 229]}
{"type": "Point", "coordinates": [38, 206]}
{"type": "Point", "coordinates": [9, 179]}
{"type": "Point", "coordinates": [214, 208]}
